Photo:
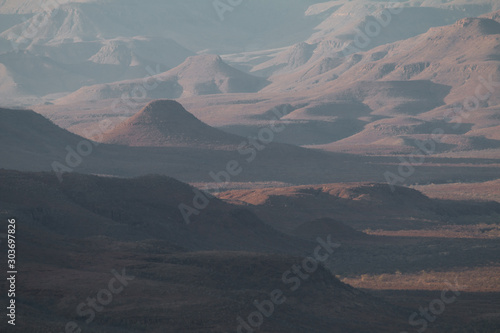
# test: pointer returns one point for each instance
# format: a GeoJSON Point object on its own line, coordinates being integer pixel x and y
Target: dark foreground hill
{"type": "Point", "coordinates": [204, 292]}
{"type": "Point", "coordinates": [136, 209]}
{"type": "Point", "coordinates": [123, 243]}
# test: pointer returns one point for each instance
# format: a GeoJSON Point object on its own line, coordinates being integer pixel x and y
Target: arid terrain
{"type": "Point", "coordinates": [250, 166]}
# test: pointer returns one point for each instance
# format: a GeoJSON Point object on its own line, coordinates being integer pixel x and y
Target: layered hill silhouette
{"type": "Point", "coordinates": [408, 73]}
{"type": "Point", "coordinates": [311, 210]}
{"type": "Point", "coordinates": [85, 224]}
{"type": "Point", "coordinates": [327, 226]}
{"type": "Point", "coordinates": [210, 181]}
{"type": "Point", "coordinates": [203, 291]}
{"type": "Point", "coordinates": [83, 206]}
{"type": "Point", "coordinates": [180, 20]}
{"type": "Point", "coordinates": [165, 123]}
{"type": "Point", "coordinates": [435, 55]}
{"type": "Point", "coordinates": [197, 75]}
{"type": "Point", "coordinates": [81, 34]}
{"type": "Point", "coordinates": [407, 89]}
{"type": "Point", "coordinates": [31, 142]}
{"type": "Point", "coordinates": [209, 74]}
{"type": "Point", "coordinates": [29, 74]}
{"type": "Point", "coordinates": [344, 21]}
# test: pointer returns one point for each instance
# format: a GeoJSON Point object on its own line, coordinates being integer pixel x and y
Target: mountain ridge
{"type": "Point", "coordinates": [165, 123]}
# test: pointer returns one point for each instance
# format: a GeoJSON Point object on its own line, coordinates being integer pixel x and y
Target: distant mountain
{"type": "Point", "coordinates": [442, 55]}
{"type": "Point", "coordinates": [209, 74]}
{"type": "Point", "coordinates": [436, 55]}
{"type": "Point", "coordinates": [294, 57]}
{"type": "Point", "coordinates": [26, 75]}
{"type": "Point", "coordinates": [197, 26]}
{"type": "Point", "coordinates": [64, 67]}
{"type": "Point", "coordinates": [424, 77]}
{"type": "Point", "coordinates": [357, 26]}
{"type": "Point", "coordinates": [30, 6]}
{"type": "Point", "coordinates": [64, 22]}
{"type": "Point", "coordinates": [495, 15]}
{"type": "Point", "coordinates": [404, 81]}
{"type": "Point", "coordinates": [197, 75]}
{"type": "Point", "coordinates": [165, 123]}
{"type": "Point", "coordinates": [133, 52]}
{"type": "Point", "coordinates": [99, 42]}
{"type": "Point", "coordinates": [30, 142]}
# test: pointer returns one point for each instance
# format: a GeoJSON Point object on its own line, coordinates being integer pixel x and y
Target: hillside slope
{"type": "Point", "coordinates": [165, 123]}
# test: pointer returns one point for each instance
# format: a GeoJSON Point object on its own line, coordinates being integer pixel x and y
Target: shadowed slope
{"type": "Point", "coordinates": [165, 123]}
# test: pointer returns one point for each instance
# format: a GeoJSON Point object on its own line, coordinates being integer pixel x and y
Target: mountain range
{"type": "Point", "coordinates": [250, 166]}
{"type": "Point", "coordinates": [384, 97]}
